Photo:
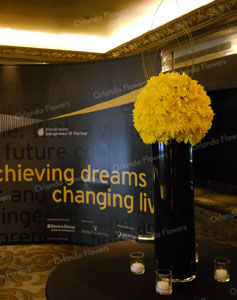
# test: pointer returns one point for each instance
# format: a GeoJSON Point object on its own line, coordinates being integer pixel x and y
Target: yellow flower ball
{"type": "Point", "coordinates": [172, 106]}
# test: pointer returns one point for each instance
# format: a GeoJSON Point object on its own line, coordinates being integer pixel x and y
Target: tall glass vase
{"type": "Point", "coordinates": [174, 209]}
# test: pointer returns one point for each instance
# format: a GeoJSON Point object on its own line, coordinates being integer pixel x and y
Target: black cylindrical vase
{"type": "Point", "coordinates": [174, 209]}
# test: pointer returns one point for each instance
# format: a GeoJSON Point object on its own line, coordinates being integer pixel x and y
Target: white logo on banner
{"type": "Point", "coordinates": [40, 131]}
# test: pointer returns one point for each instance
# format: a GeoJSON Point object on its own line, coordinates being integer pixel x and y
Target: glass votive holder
{"type": "Point", "coordinates": [137, 264]}
{"type": "Point", "coordinates": [163, 281]}
{"type": "Point", "coordinates": [222, 269]}
{"type": "Point", "coordinates": [196, 253]}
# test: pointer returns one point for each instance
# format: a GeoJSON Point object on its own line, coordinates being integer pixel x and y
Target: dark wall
{"type": "Point", "coordinates": [216, 155]}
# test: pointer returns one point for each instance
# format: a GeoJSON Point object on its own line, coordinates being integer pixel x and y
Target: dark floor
{"type": "Point", "coordinates": [214, 226]}
{"type": "Point", "coordinates": [24, 269]}
{"type": "Point", "coordinates": [222, 202]}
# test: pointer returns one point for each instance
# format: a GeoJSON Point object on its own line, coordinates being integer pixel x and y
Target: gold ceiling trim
{"type": "Point", "coordinates": [207, 18]}
{"type": "Point", "coordinates": [200, 20]}
{"type": "Point", "coordinates": [48, 55]}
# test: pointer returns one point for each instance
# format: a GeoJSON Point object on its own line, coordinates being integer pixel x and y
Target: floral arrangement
{"type": "Point", "coordinates": [172, 106]}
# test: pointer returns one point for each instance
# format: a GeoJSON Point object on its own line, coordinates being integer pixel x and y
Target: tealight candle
{"type": "Point", "coordinates": [222, 269]}
{"type": "Point", "coordinates": [137, 263]}
{"type": "Point", "coordinates": [137, 268]}
{"type": "Point", "coordinates": [221, 274]}
{"type": "Point", "coordinates": [163, 287]}
{"type": "Point", "coordinates": [163, 281]}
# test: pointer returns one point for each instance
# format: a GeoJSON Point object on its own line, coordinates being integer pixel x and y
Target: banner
{"type": "Point", "coordinates": [73, 169]}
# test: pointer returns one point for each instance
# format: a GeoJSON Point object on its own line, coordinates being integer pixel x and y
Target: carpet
{"type": "Point", "coordinates": [24, 269]}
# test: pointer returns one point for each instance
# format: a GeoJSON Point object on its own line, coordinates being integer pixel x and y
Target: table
{"type": "Point", "coordinates": [105, 275]}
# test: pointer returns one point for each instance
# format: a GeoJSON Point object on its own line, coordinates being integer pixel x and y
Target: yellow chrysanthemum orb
{"type": "Point", "coordinates": [172, 106]}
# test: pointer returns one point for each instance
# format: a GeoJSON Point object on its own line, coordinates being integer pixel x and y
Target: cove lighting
{"type": "Point", "coordinates": [130, 26]}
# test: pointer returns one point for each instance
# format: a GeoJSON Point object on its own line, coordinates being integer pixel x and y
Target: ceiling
{"type": "Point", "coordinates": [85, 25]}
